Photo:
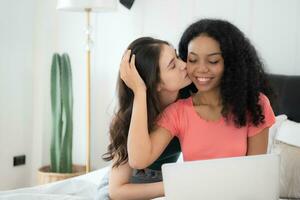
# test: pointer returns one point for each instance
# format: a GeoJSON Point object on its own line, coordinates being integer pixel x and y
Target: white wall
{"type": "Point", "coordinates": [272, 25]}
{"type": "Point", "coordinates": [16, 79]}
{"type": "Point", "coordinates": [45, 43]}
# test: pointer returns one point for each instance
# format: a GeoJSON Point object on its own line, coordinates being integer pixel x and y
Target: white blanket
{"type": "Point", "coordinates": [83, 187]}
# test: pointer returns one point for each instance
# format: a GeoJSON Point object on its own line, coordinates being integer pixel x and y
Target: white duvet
{"type": "Point", "coordinates": [83, 187]}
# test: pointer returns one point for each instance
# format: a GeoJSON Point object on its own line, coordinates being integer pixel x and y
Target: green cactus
{"type": "Point", "coordinates": [62, 114]}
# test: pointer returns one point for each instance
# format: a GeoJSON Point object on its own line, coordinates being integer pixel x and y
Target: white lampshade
{"type": "Point", "coordinates": [82, 5]}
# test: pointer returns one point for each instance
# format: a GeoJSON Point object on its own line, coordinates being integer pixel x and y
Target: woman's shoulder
{"type": "Point", "coordinates": [263, 99]}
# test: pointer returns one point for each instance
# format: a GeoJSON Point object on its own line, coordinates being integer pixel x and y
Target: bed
{"type": "Point", "coordinates": [287, 89]}
{"type": "Point", "coordinates": [83, 187]}
{"type": "Point", "coordinates": [288, 97]}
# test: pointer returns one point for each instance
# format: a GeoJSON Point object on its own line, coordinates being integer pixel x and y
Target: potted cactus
{"type": "Point", "coordinates": [61, 166]}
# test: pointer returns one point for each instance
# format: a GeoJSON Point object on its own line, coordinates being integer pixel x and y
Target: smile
{"type": "Point", "coordinates": [204, 79]}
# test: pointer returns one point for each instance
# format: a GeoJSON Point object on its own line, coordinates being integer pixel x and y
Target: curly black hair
{"type": "Point", "coordinates": [244, 77]}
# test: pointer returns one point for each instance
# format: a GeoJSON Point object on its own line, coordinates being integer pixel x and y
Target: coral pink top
{"type": "Point", "coordinates": [201, 139]}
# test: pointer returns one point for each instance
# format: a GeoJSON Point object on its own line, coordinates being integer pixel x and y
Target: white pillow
{"type": "Point", "coordinates": [289, 133]}
{"type": "Point", "coordinates": [289, 169]}
{"type": "Point", "coordinates": [273, 130]}
{"type": "Point", "coordinates": [287, 145]}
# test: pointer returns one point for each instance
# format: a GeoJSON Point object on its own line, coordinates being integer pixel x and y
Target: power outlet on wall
{"type": "Point", "coordinates": [19, 160]}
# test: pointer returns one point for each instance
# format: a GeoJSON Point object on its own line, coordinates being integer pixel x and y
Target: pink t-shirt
{"type": "Point", "coordinates": [201, 139]}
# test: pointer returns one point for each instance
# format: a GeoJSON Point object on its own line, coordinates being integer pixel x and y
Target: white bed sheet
{"type": "Point", "coordinates": [83, 187]}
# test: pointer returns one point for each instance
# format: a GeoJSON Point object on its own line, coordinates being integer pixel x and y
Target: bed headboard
{"type": "Point", "coordinates": [287, 90]}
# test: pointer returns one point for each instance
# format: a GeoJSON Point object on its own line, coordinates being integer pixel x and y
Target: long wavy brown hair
{"type": "Point", "coordinates": [147, 53]}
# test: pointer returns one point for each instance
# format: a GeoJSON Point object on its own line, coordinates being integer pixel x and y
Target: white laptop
{"type": "Point", "coordinates": [237, 178]}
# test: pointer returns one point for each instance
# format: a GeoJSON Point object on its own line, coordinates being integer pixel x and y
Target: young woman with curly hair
{"type": "Point", "coordinates": [228, 116]}
{"type": "Point", "coordinates": [164, 74]}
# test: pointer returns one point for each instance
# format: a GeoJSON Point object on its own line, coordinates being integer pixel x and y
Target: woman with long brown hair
{"type": "Point", "coordinates": [163, 73]}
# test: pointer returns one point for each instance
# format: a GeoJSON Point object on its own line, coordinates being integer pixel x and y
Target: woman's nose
{"type": "Point", "coordinates": [202, 67]}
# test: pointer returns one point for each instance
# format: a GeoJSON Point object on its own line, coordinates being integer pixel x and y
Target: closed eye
{"type": "Point", "coordinates": [213, 62]}
{"type": "Point", "coordinates": [192, 61]}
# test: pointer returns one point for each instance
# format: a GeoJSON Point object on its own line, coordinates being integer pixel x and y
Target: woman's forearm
{"type": "Point", "coordinates": [137, 191]}
{"type": "Point", "coordinates": [139, 143]}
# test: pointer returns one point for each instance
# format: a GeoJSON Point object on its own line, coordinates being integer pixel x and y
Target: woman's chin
{"type": "Point", "coordinates": [203, 87]}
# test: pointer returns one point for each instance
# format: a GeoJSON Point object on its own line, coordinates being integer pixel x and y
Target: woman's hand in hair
{"type": "Point", "coordinates": [130, 75]}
